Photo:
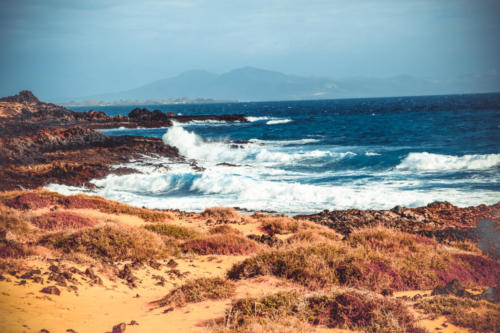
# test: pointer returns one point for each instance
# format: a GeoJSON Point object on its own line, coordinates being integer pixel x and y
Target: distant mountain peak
{"type": "Point", "coordinates": [250, 83]}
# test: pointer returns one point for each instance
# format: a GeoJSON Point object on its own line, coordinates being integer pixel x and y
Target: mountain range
{"type": "Point", "coordinates": [254, 84]}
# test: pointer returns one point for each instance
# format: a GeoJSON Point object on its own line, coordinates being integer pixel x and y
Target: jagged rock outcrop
{"type": "Point", "coordinates": [24, 96]}
{"type": "Point", "coordinates": [440, 220]}
{"type": "Point", "coordinates": [27, 108]}
{"type": "Point", "coordinates": [43, 143]}
{"type": "Point", "coordinates": [71, 156]}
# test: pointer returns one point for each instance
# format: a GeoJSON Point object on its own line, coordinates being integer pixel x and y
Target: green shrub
{"type": "Point", "coordinates": [174, 231]}
{"type": "Point", "coordinates": [349, 309]}
{"type": "Point", "coordinates": [110, 243]}
{"type": "Point", "coordinates": [198, 290]}
{"type": "Point", "coordinates": [479, 316]}
{"type": "Point", "coordinates": [222, 244]}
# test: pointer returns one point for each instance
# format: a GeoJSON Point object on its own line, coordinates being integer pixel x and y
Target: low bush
{"type": "Point", "coordinates": [279, 225]}
{"type": "Point", "coordinates": [466, 246]}
{"type": "Point", "coordinates": [44, 199]}
{"type": "Point", "coordinates": [222, 214]}
{"type": "Point", "coordinates": [282, 225]}
{"type": "Point", "coordinates": [111, 207]}
{"type": "Point", "coordinates": [390, 240]}
{"type": "Point", "coordinates": [373, 259]}
{"type": "Point", "coordinates": [478, 316]}
{"type": "Point", "coordinates": [225, 230]}
{"type": "Point", "coordinates": [267, 325]}
{"type": "Point", "coordinates": [223, 244]}
{"type": "Point", "coordinates": [310, 266]}
{"type": "Point", "coordinates": [14, 250]}
{"type": "Point", "coordinates": [32, 200]}
{"type": "Point", "coordinates": [313, 236]}
{"type": "Point", "coordinates": [471, 269]}
{"type": "Point", "coordinates": [349, 310]}
{"type": "Point", "coordinates": [198, 290]}
{"type": "Point", "coordinates": [171, 230]}
{"type": "Point", "coordinates": [13, 223]}
{"type": "Point", "coordinates": [110, 243]}
{"type": "Point", "coordinates": [62, 221]}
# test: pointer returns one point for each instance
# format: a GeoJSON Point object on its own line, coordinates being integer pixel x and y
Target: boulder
{"type": "Point", "coordinates": [454, 288]}
{"type": "Point", "coordinates": [120, 328]}
{"type": "Point", "coordinates": [52, 290]}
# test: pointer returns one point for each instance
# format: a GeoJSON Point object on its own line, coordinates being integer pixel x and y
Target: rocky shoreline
{"type": "Point", "coordinates": [415, 270]}
{"type": "Point", "coordinates": [42, 143]}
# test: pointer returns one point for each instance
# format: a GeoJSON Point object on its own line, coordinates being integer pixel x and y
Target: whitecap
{"type": "Point", "coordinates": [436, 162]}
{"type": "Point", "coordinates": [278, 121]}
{"type": "Point", "coordinates": [193, 146]}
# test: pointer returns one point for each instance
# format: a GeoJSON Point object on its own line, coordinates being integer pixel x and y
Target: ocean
{"type": "Point", "coordinates": [307, 156]}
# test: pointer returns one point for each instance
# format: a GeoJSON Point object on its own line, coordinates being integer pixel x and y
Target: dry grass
{"type": "Point", "coordinates": [16, 234]}
{"type": "Point", "coordinates": [478, 316]}
{"type": "Point", "coordinates": [110, 242]}
{"type": "Point", "coordinates": [376, 259]}
{"type": "Point", "coordinates": [303, 238]}
{"type": "Point", "coordinates": [282, 225]}
{"type": "Point", "coordinates": [198, 290]}
{"type": "Point", "coordinates": [284, 324]}
{"type": "Point", "coordinates": [224, 230]}
{"type": "Point", "coordinates": [13, 225]}
{"type": "Point", "coordinates": [173, 231]}
{"type": "Point", "coordinates": [62, 221]}
{"type": "Point", "coordinates": [347, 309]}
{"type": "Point", "coordinates": [44, 199]}
{"type": "Point", "coordinates": [222, 214]}
{"type": "Point", "coordinates": [222, 244]}
{"type": "Point", "coordinates": [466, 246]}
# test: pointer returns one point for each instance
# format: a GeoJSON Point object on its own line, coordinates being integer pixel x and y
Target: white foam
{"type": "Point", "coordinates": [254, 119]}
{"type": "Point", "coordinates": [278, 121]}
{"type": "Point", "coordinates": [436, 162]}
{"type": "Point", "coordinates": [284, 142]}
{"type": "Point", "coordinates": [196, 191]}
{"type": "Point", "coordinates": [193, 146]}
{"type": "Point", "coordinates": [270, 120]}
{"type": "Point", "coordinates": [210, 122]}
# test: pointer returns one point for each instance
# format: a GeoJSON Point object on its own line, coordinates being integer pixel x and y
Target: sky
{"type": "Point", "coordinates": [61, 48]}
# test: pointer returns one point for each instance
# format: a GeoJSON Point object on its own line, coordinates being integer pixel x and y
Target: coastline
{"type": "Point", "coordinates": [61, 257]}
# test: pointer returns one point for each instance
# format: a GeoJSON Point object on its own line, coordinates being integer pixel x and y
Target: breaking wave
{"type": "Point", "coordinates": [215, 187]}
{"type": "Point", "coordinates": [436, 162]}
{"type": "Point", "coordinates": [278, 121]}
{"type": "Point", "coordinates": [270, 120]}
{"type": "Point", "coordinates": [193, 146]}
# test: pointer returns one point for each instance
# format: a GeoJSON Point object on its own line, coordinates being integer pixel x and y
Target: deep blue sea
{"type": "Point", "coordinates": [306, 156]}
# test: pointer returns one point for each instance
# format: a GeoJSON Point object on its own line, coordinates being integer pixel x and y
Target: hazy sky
{"type": "Point", "coordinates": [71, 48]}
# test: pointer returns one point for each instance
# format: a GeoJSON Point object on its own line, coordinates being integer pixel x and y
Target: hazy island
{"type": "Point", "coordinates": [183, 100]}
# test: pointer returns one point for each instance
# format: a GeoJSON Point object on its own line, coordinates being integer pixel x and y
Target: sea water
{"type": "Point", "coordinates": [307, 156]}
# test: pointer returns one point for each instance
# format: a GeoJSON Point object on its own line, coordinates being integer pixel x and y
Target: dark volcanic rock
{"type": "Point", "coordinates": [452, 234]}
{"type": "Point", "coordinates": [120, 328]}
{"type": "Point", "coordinates": [24, 96]}
{"type": "Point", "coordinates": [42, 143]}
{"type": "Point", "coordinates": [140, 114]}
{"type": "Point", "coordinates": [492, 294]}
{"type": "Point", "coordinates": [126, 274]}
{"type": "Point", "coordinates": [71, 156]}
{"type": "Point", "coordinates": [269, 240]}
{"type": "Point", "coordinates": [440, 220]}
{"type": "Point", "coordinates": [52, 290]}
{"type": "Point", "coordinates": [454, 288]}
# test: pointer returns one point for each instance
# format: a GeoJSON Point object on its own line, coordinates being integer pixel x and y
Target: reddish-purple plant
{"type": "Point", "coordinates": [61, 221]}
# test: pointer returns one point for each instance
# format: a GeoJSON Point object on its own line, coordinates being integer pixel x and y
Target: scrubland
{"type": "Point", "coordinates": [64, 259]}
